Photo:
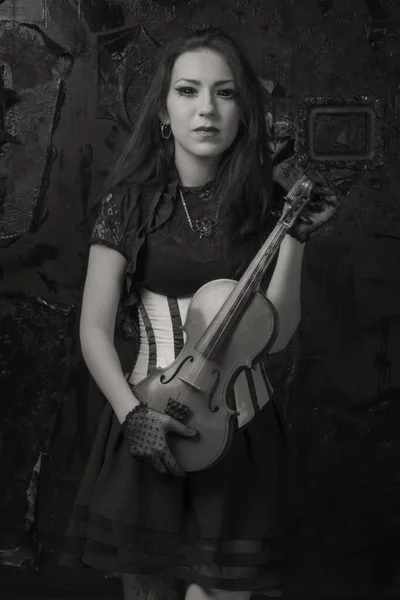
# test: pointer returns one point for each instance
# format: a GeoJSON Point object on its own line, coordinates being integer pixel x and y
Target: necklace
{"type": "Point", "coordinates": [205, 227]}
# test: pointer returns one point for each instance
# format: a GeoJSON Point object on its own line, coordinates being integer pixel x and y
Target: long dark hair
{"type": "Point", "coordinates": [243, 183]}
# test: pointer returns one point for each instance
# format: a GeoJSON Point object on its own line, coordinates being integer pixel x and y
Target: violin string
{"type": "Point", "coordinates": [199, 360]}
{"type": "Point", "coordinates": [249, 285]}
{"type": "Point", "coordinates": [261, 266]}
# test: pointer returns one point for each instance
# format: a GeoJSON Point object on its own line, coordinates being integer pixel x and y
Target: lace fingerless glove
{"type": "Point", "coordinates": [145, 431]}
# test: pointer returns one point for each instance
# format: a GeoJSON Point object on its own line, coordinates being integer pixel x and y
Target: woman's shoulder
{"type": "Point", "coordinates": [131, 205]}
{"type": "Point", "coordinates": [117, 219]}
{"type": "Point", "coordinates": [124, 201]}
{"type": "Point", "coordinates": [131, 192]}
{"type": "Point", "coordinates": [120, 192]}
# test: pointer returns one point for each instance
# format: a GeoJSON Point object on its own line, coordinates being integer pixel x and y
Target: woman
{"type": "Point", "coordinates": [188, 202]}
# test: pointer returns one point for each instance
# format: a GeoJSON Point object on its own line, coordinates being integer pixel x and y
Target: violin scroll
{"type": "Point", "coordinates": [295, 201]}
{"type": "Point", "coordinates": [307, 187]}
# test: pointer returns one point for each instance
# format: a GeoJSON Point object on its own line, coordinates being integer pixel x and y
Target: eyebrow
{"type": "Point", "coordinates": [196, 82]}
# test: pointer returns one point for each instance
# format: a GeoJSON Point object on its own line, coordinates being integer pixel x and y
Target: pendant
{"type": "Point", "coordinates": [205, 227]}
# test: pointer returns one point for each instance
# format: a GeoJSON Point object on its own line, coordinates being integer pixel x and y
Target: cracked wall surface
{"type": "Point", "coordinates": [72, 75]}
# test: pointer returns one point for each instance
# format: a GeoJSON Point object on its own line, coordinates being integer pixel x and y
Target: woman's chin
{"type": "Point", "coordinates": [208, 151]}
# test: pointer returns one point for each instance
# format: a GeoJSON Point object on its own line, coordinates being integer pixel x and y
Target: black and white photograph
{"type": "Point", "coordinates": [199, 299]}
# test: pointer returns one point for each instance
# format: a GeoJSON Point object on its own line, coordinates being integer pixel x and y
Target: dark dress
{"type": "Point", "coordinates": [219, 528]}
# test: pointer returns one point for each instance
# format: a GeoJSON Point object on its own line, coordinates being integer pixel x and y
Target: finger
{"type": "Point", "coordinates": [324, 193]}
{"type": "Point", "coordinates": [171, 465]}
{"type": "Point", "coordinates": [322, 190]}
{"type": "Point", "coordinates": [329, 209]}
{"type": "Point", "coordinates": [333, 200]}
{"type": "Point", "coordinates": [158, 464]}
{"type": "Point", "coordinates": [316, 206]}
{"type": "Point", "coordinates": [180, 428]}
{"type": "Point", "coordinates": [305, 219]}
{"type": "Point", "coordinates": [324, 204]}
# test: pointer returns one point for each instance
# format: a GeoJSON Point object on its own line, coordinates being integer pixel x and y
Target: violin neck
{"type": "Point", "coordinates": [220, 328]}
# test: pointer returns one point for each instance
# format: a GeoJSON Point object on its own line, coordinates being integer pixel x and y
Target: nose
{"type": "Point", "coordinates": [206, 104]}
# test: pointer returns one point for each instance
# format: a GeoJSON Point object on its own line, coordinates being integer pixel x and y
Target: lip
{"type": "Point", "coordinates": [206, 134]}
{"type": "Point", "coordinates": [207, 130]}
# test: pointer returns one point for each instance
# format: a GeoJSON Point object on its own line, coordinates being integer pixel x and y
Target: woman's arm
{"type": "Point", "coordinates": [99, 308]}
{"type": "Point", "coordinates": [284, 290]}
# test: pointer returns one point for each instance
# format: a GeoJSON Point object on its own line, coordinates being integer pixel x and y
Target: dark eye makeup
{"type": "Point", "coordinates": [189, 91]}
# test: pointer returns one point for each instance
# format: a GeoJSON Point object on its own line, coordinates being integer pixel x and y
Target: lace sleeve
{"type": "Point", "coordinates": [110, 227]}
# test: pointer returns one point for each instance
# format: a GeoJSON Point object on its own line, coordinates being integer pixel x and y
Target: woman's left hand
{"type": "Point", "coordinates": [323, 205]}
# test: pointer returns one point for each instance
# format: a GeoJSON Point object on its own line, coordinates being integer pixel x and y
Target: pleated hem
{"type": "Point", "coordinates": [232, 565]}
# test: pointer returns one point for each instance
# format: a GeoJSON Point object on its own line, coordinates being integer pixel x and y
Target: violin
{"type": "Point", "coordinates": [229, 324]}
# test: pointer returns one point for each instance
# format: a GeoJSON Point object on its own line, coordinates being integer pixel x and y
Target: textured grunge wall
{"type": "Point", "coordinates": [72, 74]}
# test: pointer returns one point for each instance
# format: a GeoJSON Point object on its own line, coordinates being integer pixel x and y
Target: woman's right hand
{"type": "Point", "coordinates": [146, 430]}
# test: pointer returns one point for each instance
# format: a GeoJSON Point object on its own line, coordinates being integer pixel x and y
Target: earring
{"type": "Point", "coordinates": [165, 130]}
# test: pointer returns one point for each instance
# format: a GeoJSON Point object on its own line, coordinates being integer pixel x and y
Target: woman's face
{"type": "Point", "coordinates": [202, 95]}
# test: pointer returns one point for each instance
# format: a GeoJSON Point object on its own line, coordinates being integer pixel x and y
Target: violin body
{"type": "Point", "coordinates": [204, 384]}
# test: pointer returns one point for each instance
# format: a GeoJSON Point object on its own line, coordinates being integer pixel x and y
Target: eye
{"type": "Point", "coordinates": [185, 91]}
{"type": "Point", "coordinates": [227, 93]}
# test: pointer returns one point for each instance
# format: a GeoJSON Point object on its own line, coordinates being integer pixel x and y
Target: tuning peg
{"type": "Point", "coordinates": [306, 187]}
